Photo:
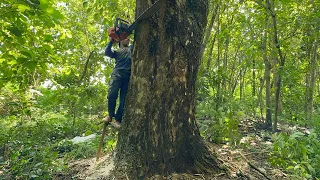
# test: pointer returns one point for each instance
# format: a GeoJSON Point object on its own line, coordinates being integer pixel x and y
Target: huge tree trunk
{"type": "Point", "coordinates": [159, 134]}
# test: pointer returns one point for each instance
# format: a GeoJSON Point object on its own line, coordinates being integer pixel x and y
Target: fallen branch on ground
{"type": "Point", "coordinates": [253, 166]}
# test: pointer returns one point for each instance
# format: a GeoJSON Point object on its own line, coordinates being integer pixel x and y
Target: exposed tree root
{"type": "Point", "coordinates": [209, 164]}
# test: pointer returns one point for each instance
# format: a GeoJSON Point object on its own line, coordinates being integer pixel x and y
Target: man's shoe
{"type": "Point", "coordinates": [116, 124]}
{"type": "Point", "coordinates": [107, 119]}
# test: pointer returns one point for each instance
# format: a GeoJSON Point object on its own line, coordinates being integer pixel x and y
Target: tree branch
{"type": "Point", "coordinates": [265, 7]}
{"type": "Point", "coordinates": [253, 166]}
{"type": "Point", "coordinates": [85, 67]}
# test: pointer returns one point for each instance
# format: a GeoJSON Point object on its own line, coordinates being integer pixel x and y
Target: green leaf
{"type": "Point", "coordinates": [27, 53]}
{"type": "Point", "coordinates": [290, 167]}
{"type": "Point", "coordinates": [22, 7]}
{"type": "Point", "coordinates": [12, 62]}
{"type": "Point", "coordinates": [296, 135]}
{"type": "Point", "coordinates": [22, 60]}
{"type": "Point", "coordinates": [47, 47]}
{"type": "Point", "coordinates": [54, 13]}
{"type": "Point", "coordinates": [31, 65]}
{"type": "Point", "coordinates": [285, 2]}
{"type": "Point", "coordinates": [38, 164]}
{"type": "Point", "coordinates": [14, 30]}
{"type": "Point", "coordinates": [311, 169]}
{"type": "Point", "coordinates": [44, 4]}
{"type": "Point", "coordinates": [34, 176]}
{"type": "Point", "coordinates": [47, 38]}
{"type": "Point", "coordinates": [33, 2]}
{"type": "Point", "coordinates": [57, 15]}
{"type": "Point", "coordinates": [85, 4]}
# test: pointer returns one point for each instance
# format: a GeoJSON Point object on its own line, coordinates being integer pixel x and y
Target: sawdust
{"type": "Point", "coordinates": [89, 169]}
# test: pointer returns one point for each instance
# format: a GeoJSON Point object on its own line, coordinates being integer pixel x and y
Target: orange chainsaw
{"type": "Point", "coordinates": [122, 28]}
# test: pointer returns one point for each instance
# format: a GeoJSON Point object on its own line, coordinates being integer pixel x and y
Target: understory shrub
{"type": "Point", "coordinates": [298, 153]}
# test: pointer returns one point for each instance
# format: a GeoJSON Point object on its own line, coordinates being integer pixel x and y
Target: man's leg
{"type": "Point", "coordinates": [123, 93]}
{"type": "Point", "coordinates": [114, 86]}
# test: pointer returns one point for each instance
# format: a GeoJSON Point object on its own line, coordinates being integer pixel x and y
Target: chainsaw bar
{"type": "Point", "coordinates": [147, 13]}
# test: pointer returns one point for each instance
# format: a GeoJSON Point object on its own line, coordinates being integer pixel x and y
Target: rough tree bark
{"type": "Point", "coordinates": [159, 134]}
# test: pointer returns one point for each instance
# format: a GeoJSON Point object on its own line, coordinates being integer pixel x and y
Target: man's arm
{"type": "Point", "coordinates": [108, 52]}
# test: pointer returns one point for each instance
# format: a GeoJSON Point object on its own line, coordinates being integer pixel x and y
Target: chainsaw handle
{"type": "Point", "coordinates": [116, 24]}
{"type": "Point", "coordinates": [119, 33]}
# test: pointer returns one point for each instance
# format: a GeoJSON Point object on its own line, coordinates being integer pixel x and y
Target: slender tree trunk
{"type": "Point", "coordinates": [267, 73]}
{"type": "Point", "coordinates": [260, 97]}
{"type": "Point", "coordinates": [159, 134]}
{"type": "Point", "coordinates": [254, 86]}
{"type": "Point", "coordinates": [209, 29]}
{"type": "Point", "coordinates": [242, 83]}
{"type": "Point", "coordinates": [312, 82]}
{"type": "Point", "coordinates": [219, 94]}
{"type": "Point", "coordinates": [237, 78]}
{"type": "Point", "coordinates": [233, 80]}
{"type": "Point", "coordinates": [225, 58]}
{"type": "Point", "coordinates": [225, 65]}
{"type": "Point", "coordinates": [210, 52]}
{"type": "Point", "coordinates": [214, 37]}
{"type": "Point", "coordinates": [282, 61]}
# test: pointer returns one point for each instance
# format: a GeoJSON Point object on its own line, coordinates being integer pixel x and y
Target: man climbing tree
{"type": "Point", "coordinates": [119, 81]}
{"type": "Point", "coordinates": [159, 134]}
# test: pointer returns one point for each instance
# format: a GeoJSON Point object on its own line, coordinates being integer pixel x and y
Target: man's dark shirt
{"type": "Point", "coordinates": [121, 55]}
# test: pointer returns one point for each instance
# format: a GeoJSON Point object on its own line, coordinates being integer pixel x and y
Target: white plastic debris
{"type": "Point", "coordinates": [79, 139]}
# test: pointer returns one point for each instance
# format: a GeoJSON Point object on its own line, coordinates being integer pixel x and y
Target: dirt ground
{"type": "Point", "coordinates": [248, 160]}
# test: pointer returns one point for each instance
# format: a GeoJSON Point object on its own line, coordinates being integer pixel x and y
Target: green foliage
{"type": "Point", "coordinates": [221, 125]}
{"type": "Point", "coordinates": [315, 123]}
{"type": "Point", "coordinates": [84, 150]}
{"type": "Point", "coordinates": [33, 161]}
{"type": "Point", "coordinates": [40, 148]}
{"type": "Point", "coordinates": [44, 47]}
{"type": "Point", "coordinates": [74, 101]}
{"type": "Point", "coordinates": [36, 143]}
{"type": "Point", "coordinates": [27, 147]}
{"type": "Point", "coordinates": [298, 153]}
{"type": "Point", "coordinates": [23, 51]}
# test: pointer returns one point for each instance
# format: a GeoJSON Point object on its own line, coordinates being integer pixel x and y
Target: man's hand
{"type": "Point", "coordinates": [111, 40]}
{"type": "Point", "coordinates": [113, 37]}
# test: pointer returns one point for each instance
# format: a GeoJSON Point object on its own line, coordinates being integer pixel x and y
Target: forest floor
{"type": "Point", "coordinates": [249, 160]}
